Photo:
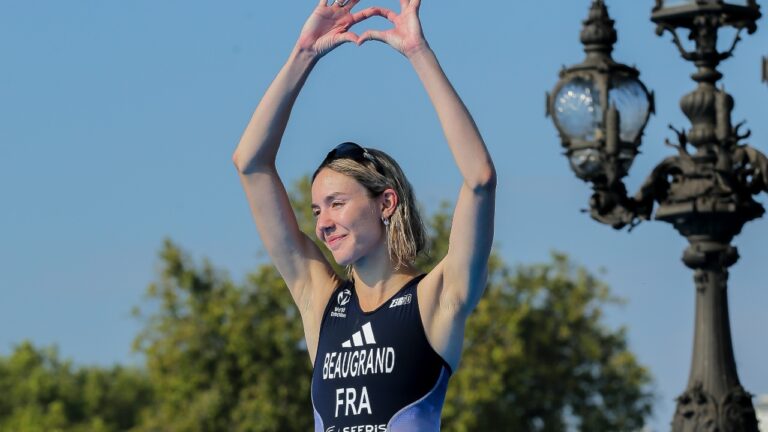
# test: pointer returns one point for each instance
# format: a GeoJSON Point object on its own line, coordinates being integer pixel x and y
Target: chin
{"type": "Point", "coordinates": [344, 260]}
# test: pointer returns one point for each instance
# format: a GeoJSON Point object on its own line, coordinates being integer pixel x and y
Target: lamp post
{"type": "Point", "coordinates": [705, 192]}
{"type": "Point", "coordinates": [765, 69]}
{"type": "Point", "coordinates": [600, 108]}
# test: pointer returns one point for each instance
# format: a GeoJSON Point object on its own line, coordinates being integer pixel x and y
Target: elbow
{"type": "Point", "coordinates": [245, 166]}
{"type": "Point", "coordinates": [248, 161]}
{"type": "Point", "coordinates": [485, 181]}
{"type": "Point", "coordinates": [236, 161]}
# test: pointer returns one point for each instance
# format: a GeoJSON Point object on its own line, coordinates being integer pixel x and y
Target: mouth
{"type": "Point", "coordinates": [333, 241]}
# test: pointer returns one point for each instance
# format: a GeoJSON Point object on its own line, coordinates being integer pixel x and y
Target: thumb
{"type": "Point", "coordinates": [345, 37]}
{"type": "Point", "coordinates": [373, 35]}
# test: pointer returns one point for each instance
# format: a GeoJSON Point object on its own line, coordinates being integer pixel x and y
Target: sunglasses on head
{"type": "Point", "coordinates": [350, 150]}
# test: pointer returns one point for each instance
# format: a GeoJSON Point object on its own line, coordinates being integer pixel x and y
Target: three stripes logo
{"type": "Point", "coordinates": [360, 338]}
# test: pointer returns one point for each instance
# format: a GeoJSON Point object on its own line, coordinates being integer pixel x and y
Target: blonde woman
{"type": "Point", "coordinates": [384, 342]}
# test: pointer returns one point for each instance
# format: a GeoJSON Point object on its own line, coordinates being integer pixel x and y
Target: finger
{"type": "Point", "coordinates": [351, 4]}
{"type": "Point", "coordinates": [373, 11]}
{"type": "Point", "coordinates": [416, 4]}
{"type": "Point", "coordinates": [375, 35]}
{"type": "Point", "coordinates": [403, 4]}
{"type": "Point", "coordinates": [341, 4]}
{"type": "Point", "coordinates": [346, 37]}
{"type": "Point", "coordinates": [322, 3]}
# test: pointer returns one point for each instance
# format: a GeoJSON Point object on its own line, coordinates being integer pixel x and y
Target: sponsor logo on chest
{"type": "Point", "coordinates": [340, 309]}
{"type": "Point", "coordinates": [359, 428]}
{"type": "Point", "coordinates": [401, 301]}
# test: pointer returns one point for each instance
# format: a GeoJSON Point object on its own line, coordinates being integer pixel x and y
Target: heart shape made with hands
{"type": "Point", "coordinates": [329, 26]}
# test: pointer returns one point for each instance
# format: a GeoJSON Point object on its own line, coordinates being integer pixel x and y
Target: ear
{"type": "Point", "coordinates": [389, 201]}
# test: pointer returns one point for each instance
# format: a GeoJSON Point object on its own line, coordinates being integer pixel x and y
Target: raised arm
{"type": "Point", "coordinates": [461, 277]}
{"type": "Point", "coordinates": [296, 257]}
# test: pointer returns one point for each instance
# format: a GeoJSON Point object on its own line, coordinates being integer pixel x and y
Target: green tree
{"type": "Point", "coordinates": [224, 357]}
{"type": "Point", "coordinates": [537, 356]}
{"type": "Point", "coordinates": [41, 393]}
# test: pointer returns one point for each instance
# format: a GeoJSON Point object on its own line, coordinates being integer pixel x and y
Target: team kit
{"type": "Point", "coordinates": [370, 375]}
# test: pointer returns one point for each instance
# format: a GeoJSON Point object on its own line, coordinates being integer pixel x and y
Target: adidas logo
{"type": "Point", "coordinates": [358, 339]}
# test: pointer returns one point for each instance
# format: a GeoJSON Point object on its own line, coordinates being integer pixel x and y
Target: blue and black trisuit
{"type": "Point", "coordinates": [375, 371]}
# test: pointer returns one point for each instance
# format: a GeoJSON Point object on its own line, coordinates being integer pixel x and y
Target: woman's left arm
{"type": "Point", "coordinates": [461, 276]}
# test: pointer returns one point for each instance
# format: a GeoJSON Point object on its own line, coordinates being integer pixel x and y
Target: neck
{"type": "Point", "coordinates": [376, 278]}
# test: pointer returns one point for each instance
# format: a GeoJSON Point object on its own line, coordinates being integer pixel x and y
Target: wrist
{"type": "Point", "coordinates": [303, 57]}
{"type": "Point", "coordinates": [418, 51]}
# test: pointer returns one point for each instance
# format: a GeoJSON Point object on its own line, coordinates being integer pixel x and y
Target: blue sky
{"type": "Point", "coordinates": [118, 121]}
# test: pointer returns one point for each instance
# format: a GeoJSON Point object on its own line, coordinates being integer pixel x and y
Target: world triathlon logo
{"type": "Point", "coordinates": [344, 297]}
{"type": "Point", "coordinates": [340, 310]}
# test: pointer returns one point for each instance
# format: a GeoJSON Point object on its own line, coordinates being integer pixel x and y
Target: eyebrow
{"type": "Point", "coordinates": [330, 197]}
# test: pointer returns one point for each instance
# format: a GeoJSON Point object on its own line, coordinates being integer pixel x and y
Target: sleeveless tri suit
{"type": "Point", "coordinates": [376, 371]}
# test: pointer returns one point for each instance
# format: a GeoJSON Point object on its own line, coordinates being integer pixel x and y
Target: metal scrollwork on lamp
{"type": "Point", "coordinates": [705, 191]}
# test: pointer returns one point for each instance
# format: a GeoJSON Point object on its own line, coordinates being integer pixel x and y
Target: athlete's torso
{"type": "Point", "coordinates": [376, 371]}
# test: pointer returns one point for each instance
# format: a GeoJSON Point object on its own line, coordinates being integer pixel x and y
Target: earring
{"type": "Point", "coordinates": [385, 221]}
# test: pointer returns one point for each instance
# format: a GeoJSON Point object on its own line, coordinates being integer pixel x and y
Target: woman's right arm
{"type": "Point", "coordinates": [288, 247]}
{"type": "Point", "coordinates": [295, 255]}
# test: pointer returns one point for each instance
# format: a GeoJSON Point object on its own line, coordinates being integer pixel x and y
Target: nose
{"type": "Point", "coordinates": [324, 224]}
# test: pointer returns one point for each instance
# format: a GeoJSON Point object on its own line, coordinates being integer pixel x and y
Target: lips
{"type": "Point", "coordinates": [332, 241]}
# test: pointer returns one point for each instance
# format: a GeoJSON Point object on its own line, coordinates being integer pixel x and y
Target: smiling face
{"type": "Point", "coordinates": [347, 218]}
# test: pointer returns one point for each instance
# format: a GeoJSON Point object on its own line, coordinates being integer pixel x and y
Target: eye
{"type": "Point", "coordinates": [315, 213]}
{"type": "Point", "coordinates": [337, 204]}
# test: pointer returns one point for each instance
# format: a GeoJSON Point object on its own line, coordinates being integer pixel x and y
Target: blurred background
{"type": "Point", "coordinates": [119, 120]}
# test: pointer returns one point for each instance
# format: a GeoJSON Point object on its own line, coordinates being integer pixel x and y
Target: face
{"type": "Point", "coordinates": [347, 219]}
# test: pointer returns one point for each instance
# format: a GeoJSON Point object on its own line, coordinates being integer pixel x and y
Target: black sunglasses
{"type": "Point", "coordinates": [350, 150]}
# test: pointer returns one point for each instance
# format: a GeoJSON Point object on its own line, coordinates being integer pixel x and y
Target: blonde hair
{"type": "Point", "coordinates": [377, 172]}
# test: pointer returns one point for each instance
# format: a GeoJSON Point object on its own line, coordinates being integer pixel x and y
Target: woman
{"type": "Point", "coordinates": [385, 342]}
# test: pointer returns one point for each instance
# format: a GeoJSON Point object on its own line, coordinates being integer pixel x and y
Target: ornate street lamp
{"type": "Point", "coordinates": [600, 108]}
{"type": "Point", "coordinates": [706, 194]}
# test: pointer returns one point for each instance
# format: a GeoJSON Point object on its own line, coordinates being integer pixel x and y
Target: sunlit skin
{"type": "Point", "coordinates": [347, 218]}
{"type": "Point", "coordinates": [406, 36]}
{"type": "Point", "coordinates": [329, 26]}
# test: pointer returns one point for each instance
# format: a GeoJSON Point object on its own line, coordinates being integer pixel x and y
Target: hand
{"type": "Point", "coordinates": [328, 27]}
{"type": "Point", "coordinates": [407, 36]}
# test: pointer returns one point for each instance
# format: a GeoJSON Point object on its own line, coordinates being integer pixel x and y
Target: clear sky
{"type": "Point", "coordinates": [118, 120]}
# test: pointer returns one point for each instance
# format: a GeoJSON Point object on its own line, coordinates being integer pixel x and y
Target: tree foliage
{"type": "Point", "coordinates": [537, 356]}
{"type": "Point", "coordinates": [223, 356]}
{"type": "Point", "coordinates": [41, 393]}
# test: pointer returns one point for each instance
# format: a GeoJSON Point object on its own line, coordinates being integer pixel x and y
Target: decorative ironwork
{"type": "Point", "coordinates": [594, 107]}
{"type": "Point", "coordinates": [706, 191]}
{"type": "Point", "coordinates": [699, 411]}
